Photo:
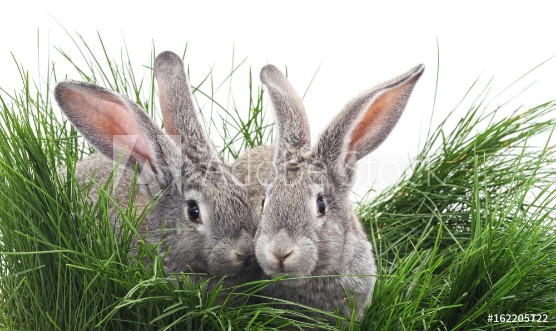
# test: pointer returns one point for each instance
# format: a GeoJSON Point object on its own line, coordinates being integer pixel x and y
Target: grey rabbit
{"type": "Point", "coordinates": [203, 216]}
{"type": "Point", "coordinates": [308, 226]}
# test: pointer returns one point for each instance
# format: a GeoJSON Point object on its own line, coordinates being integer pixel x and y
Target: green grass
{"type": "Point", "coordinates": [466, 232]}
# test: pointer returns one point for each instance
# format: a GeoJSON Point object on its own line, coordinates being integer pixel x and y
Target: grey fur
{"type": "Point", "coordinates": [290, 113]}
{"type": "Point", "coordinates": [291, 228]}
{"type": "Point", "coordinates": [252, 169]}
{"type": "Point", "coordinates": [181, 168]}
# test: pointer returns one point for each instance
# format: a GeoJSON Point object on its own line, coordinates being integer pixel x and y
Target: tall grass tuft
{"type": "Point", "coordinates": [466, 232]}
{"type": "Point", "coordinates": [469, 230]}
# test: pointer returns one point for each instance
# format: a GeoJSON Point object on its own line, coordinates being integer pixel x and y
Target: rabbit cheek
{"type": "Point", "coordinates": [181, 259]}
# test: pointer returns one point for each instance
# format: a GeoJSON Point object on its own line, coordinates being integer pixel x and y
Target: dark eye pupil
{"type": "Point", "coordinates": [193, 212]}
{"type": "Point", "coordinates": [321, 204]}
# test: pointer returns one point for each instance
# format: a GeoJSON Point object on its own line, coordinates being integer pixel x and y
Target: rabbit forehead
{"type": "Point", "coordinates": [306, 177]}
{"type": "Point", "coordinates": [291, 192]}
{"type": "Point", "coordinates": [227, 203]}
{"type": "Point", "coordinates": [290, 202]}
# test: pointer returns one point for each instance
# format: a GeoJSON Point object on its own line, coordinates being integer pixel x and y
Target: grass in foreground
{"type": "Point", "coordinates": [467, 231]}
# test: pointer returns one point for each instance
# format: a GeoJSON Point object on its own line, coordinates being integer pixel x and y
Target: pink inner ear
{"type": "Point", "coordinates": [379, 117]}
{"type": "Point", "coordinates": [113, 121]}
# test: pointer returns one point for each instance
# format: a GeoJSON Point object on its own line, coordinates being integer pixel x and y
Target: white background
{"type": "Point", "coordinates": [358, 43]}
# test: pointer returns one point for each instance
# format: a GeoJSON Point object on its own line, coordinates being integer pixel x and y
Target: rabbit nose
{"type": "Point", "coordinates": [238, 256]}
{"type": "Point", "coordinates": [282, 257]}
{"type": "Point", "coordinates": [241, 257]}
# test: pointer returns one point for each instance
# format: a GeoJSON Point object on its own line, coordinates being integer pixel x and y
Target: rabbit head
{"type": "Point", "coordinates": [308, 225]}
{"type": "Point", "coordinates": [202, 214]}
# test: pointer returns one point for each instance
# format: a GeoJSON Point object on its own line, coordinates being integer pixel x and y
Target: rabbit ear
{"type": "Point", "coordinates": [178, 111]}
{"type": "Point", "coordinates": [115, 125]}
{"type": "Point", "coordinates": [366, 121]}
{"type": "Point", "coordinates": [292, 126]}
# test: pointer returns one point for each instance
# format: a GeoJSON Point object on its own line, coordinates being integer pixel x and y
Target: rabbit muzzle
{"type": "Point", "coordinates": [280, 255]}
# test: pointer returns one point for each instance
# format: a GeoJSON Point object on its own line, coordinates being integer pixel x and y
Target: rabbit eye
{"type": "Point", "coordinates": [193, 212]}
{"type": "Point", "coordinates": [321, 205]}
